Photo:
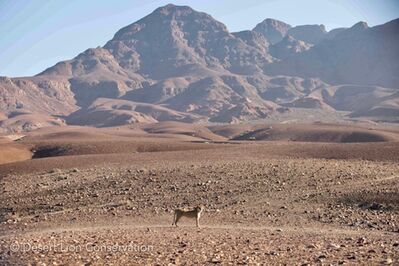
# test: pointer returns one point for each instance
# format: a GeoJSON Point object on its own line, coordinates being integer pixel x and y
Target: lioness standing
{"type": "Point", "coordinates": [191, 213]}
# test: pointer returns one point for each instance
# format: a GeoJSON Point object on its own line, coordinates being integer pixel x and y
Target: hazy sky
{"type": "Point", "coordinates": [35, 34]}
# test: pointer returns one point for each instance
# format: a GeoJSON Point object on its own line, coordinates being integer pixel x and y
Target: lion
{"type": "Point", "coordinates": [190, 213]}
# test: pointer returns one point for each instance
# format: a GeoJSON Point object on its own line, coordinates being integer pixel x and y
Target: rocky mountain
{"type": "Point", "coordinates": [312, 34]}
{"type": "Point", "coordinates": [254, 39]}
{"type": "Point", "coordinates": [358, 55]}
{"type": "Point", "coordinates": [178, 40]}
{"type": "Point", "coordinates": [273, 30]}
{"type": "Point", "coordinates": [182, 65]}
{"type": "Point", "coordinates": [288, 47]}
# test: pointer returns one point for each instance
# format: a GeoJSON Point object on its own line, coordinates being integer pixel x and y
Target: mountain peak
{"type": "Point", "coordinates": [170, 5]}
{"type": "Point", "coordinates": [172, 38]}
{"type": "Point", "coordinates": [274, 22]}
{"type": "Point", "coordinates": [312, 34]}
{"type": "Point", "coordinates": [360, 26]}
{"type": "Point", "coordinates": [172, 9]}
{"type": "Point", "coordinates": [167, 16]}
{"type": "Point", "coordinates": [273, 30]}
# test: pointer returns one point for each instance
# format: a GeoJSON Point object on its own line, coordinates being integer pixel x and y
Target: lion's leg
{"type": "Point", "coordinates": [177, 219]}
{"type": "Point", "coordinates": [174, 219]}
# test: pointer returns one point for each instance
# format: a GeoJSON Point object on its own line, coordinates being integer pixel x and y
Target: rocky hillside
{"type": "Point", "coordinates": [182, 65]}
{"type": "Point", "coordinates": [359, 55]}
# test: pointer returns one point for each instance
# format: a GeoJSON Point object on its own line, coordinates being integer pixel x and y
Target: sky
{"type": "Point", "coordinates": [36, 34]}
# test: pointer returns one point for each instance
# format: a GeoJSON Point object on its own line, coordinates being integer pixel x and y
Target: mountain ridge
{"type": "Point", "coordinates": [183, 65]}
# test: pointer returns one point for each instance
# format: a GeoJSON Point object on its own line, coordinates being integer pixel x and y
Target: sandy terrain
{"type": "Point", "coordinates": [12, 152]}
{"type": "Point", "coordinates": [106, 196]}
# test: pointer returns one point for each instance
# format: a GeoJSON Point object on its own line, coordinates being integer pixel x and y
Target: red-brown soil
{"type": "Point", "coordinates": [267, 202]}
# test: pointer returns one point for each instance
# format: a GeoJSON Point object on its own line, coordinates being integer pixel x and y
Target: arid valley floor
{"type": "Point", "coordinates": [274, 194]}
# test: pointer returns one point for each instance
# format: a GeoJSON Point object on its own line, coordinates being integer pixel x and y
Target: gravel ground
{"type": "Point", "coordinates": [264, 204]}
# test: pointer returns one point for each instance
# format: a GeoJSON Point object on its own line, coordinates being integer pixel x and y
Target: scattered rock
{"type": "Point", "coordinates": [388, 261]}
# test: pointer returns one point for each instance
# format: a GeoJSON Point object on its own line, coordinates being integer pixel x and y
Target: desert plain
{"type": "Point", "coordinates": [275, 194]}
